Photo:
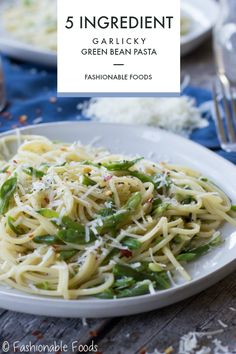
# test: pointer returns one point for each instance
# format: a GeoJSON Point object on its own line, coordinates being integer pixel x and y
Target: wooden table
{"type": "Point", "coordinates": [211, 310]}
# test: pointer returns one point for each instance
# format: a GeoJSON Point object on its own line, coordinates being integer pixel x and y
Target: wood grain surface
{"type": "Point", "coordinates": [211, 310]}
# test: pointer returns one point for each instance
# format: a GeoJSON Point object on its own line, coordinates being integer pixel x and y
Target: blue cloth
{"type": "Point", "coordinates": [31, 93]}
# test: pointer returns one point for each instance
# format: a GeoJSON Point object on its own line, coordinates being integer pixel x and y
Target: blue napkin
{"type": "Point", "coordinates": [31, 93]}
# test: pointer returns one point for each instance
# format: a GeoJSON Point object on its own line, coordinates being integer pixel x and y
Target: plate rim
{"type": "Point", "coordinates": [10, 45]}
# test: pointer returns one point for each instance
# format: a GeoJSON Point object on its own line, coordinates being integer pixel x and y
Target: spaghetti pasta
{"type": "Point", "coordinates": [79, 221]}
{"type": "Point", "coordinates": [33, 22]}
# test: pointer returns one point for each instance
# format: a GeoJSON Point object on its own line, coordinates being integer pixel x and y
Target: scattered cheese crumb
{"type": "Point", "coordinates": [224, 325]}
{"type": "Point", "coordinates": [232, 309]}
{"type": "Point", "coordinates": [37, 120]}
{"type": "Point", "coordinates": [219, 348]}
{"type": "Point", "coordinates": [84, 322]}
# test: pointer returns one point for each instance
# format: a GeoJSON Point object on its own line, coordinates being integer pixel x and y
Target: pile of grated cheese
{"type": "Point", "coordinates": [179, 115]}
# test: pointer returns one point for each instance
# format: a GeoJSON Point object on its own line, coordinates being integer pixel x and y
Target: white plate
{"type": "Point", "coordinates": [202, 12]}
{"type": "Point", "coordinates": [138, 140]}
{"type": "Point", "coordinates": [19, 50]}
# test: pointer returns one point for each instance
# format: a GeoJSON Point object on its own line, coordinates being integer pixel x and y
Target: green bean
{"type": "Point", "coordinates": [124, 282]}
{"type": "Point", "coordinates": [133, 202]}
{"type": "Point", "coordinates": [113, 222]}
{"type": "Point", "coordinates": [69, 231]}
{"type": "Point", "coordinates": [88, 181]}
{"type": "Point", "coordinates": [68, 254]}
{"type": "Point", "coordinates": [47, 239]}
{"type": "Point", "coordinates": [16, 229]}
{"type": "Point", "coordinates": [4, 170]}
{"type": "Point", "coordinates": [27, 2]}
{"type": "Point", "coordinates": [108, 210]}
{"type": "Point", "coordinates": [186, 257]}
{"type": "Point", "coordinates": [154, 267]}
{"type": "Point", "coordinates": [6, 192]}
{"type": "Point", "coordinates": [121, 270]}
{"type": "Point", "coordinates": [156, 202]}
{"type": "Point", "coordinates": [204, 179]}
{"type": "Point", "coordinates": [131, 243]}
{"type": "Point", "coordinates": [143, 177]}
{"type": "Point", "coordinates": [136, 290]}
{"type": "Point", "coordinates": [194, 253]}
{"type": "Point", "coordinates": [76, 235]}
{"type": "Point", "coordinates": [185, 199]}
{"type": "Point", "coordinates": [105, 212]}
{"type": "Point", "coordinates": [107, 294]}
{"type": "Point", "coordinates": [160, 210]}
{"type": "Point", "coordinates": [49, 213]}
{"type": "Point", "coordinates": [120, 165]}
{"type": "Point", "coordinates": [112, 253]}
{"type": "Point", "coordinates": [44, 286]}
{"type": "Point", "coordinates": [33, 172]}
{"type": "Point", "coordinates": [161, 279]}
{"type": "Point", "coordinates": [90, 163]}
{"type": "Point", "coordinates": [121, 217]}
{"type": "Point", "coordinates": [133, 282]}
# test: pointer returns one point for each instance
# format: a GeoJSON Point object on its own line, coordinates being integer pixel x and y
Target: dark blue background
{"type": "Point", "coordinates": [31, 94]}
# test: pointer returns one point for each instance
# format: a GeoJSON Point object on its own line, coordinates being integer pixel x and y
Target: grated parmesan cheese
{"type": "Point", "coordinates": [84, 322]}
{"type": "Point", "coordinates": [224, 325]}
{"type": "Point", "coordinates": [179, 115]}
{"type": "Point", "coordinates": [190, 344]}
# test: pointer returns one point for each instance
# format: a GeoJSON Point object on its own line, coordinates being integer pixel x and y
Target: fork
{"type": "Point", "coordinates": [2, 89]}
{"type": "Point", "coordinates": [225, 117]}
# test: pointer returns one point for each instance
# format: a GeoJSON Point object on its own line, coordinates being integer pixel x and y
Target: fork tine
{"type": "Point", "coordinates": [233, 102]}
{"type": "Point", "coordinates": [219, 124]}
{"type": "Point", "coordinates": [225, 86]}
{"type": "Point", "coordinates": [2, 89]}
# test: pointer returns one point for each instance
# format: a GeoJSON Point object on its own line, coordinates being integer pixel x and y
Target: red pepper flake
{"type": "Point", "coordinates": [55, 247]}
{"type": "Point", "coordinates": [14, 161]}
{"type": "Point", "coordinates": [93, 333]}
{"type": "Point", "coordinates": [126, 253]}
{"type": "Point", "coordinates": [36, 333]}
{"type": "Point", "coordinates": [23, 118]}
{"type": "Point", "coordinates": [143, 351]}
{"type": "Point", "coordinates": [46, 200]}
{"type": "Point", "coordinates": [38, 111]}
{"type": "Point", "coordinates": [107, 178]}
{"type": "Point", "coordinates": [53, 99]}
{"type": "Point", "coordinates": [63, 149]}
{"type": "Point", "coordinates": [6, 115]}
